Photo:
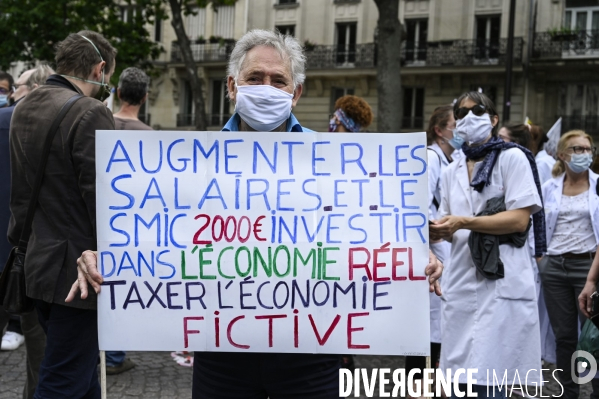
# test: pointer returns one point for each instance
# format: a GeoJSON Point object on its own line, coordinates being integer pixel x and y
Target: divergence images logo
{"type": "Point", "coordinates": [581, 361]}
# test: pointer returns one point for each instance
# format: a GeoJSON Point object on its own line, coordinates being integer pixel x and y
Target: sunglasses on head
{"type": "Point", "coordinates": [477, 110]}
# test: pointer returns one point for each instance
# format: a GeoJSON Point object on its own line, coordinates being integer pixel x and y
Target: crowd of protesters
{"type": "Point", "coordinates": [513, 220]}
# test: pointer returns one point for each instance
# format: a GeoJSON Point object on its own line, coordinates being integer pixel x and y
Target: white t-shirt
{"type": "Point", "coordinates": [573, 229]}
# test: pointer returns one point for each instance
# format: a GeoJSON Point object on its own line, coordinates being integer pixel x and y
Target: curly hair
{"type": "Point", "coordinates": [356, 108]}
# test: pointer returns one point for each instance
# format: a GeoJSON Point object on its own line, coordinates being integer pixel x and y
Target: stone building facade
{"type": "Point", "coordinates": [450, 46]}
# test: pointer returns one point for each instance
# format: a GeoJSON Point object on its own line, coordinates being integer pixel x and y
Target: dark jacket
{"type": "Point", "coordinates": [5, 116]}
{"type": "Point", "coordinates": [64, 224]}
{"type": "Point", "coordinates": [484, 248]}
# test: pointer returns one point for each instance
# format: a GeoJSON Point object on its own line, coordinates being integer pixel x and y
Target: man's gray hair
{"type": "Point", "coordinates": [39, 76]}
{"type": "Point", "coordinates": [288, 46]}
{"type": "Point", "coordinates": [134, 85]}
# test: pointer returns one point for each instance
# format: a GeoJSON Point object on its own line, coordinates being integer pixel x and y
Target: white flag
{"type": "Point", "coordinates": [553, 135]}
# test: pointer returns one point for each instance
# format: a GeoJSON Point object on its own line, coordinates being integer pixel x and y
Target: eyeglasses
{"type": "Point", "coordinates": [581, 150]}
{"type": "Point", "coordinates": [477, 110]}
{"type": "Point", "coordinates": [5, 91]}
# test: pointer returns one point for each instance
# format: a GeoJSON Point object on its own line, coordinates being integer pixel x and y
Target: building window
{"type": "Point", "coordinates": [583, 18]}
{"type": "Point", "coordinates": [128, 13]}
{"type": "Point", "coordinates": [219, 105]}
{"type": "Point", "coordinates": [413, 108]}
{"type": "Point", "coordinates": [286, 29]}
{"type": "Point", "coordinates": [287, 1]}
{"type": "Point", "coordinates": [158, 30]}
{"type": "Point", "coordinates": [195, 25]}
{"type": "Point", "coordinates": [417, 32]}
{"type": "Point", "coordinates": [185, 117]}
{"type": "Point", "coordinates": [337, 93]}
{"type": "Point", "coordinates": [578, 104]}
{"type": "Point", "coordinates": [346, 42]}
{"type": "Point", "coordinates": [224, 22]}
{"type": "Point", "coordinates": [487, 37]}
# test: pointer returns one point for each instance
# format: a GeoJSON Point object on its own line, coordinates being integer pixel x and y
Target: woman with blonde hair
{"type": "Point", "coordinates": [572, 221]}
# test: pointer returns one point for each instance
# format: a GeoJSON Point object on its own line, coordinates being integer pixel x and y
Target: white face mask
{"type": "Point", "coordinates": [263, 107]}
{"type": "Point", "coordinates": [474, 129]}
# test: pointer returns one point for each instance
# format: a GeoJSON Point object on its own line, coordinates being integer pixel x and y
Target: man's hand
{"type": "Point", "coordinates": [445, 227]}
{"type": "Point", "coordinates": [433, 270]}
{"type": "Point", "coordinates": [87, 272]}
{"type": "Point", "coordinates": [585, 302]}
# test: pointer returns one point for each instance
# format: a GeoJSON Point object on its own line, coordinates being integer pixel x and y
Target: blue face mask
{"type": "Point", "coordinates": [580, 162]}
{"type": "Point", "coordinates": [3, 100]}
{"type": "Point", "coordinates": [456, 141]}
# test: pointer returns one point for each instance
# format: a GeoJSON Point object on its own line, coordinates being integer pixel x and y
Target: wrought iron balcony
{"type": "Point", "coordinates": [558, 45]}
{"type": "Point", "coordinates": [213, 119]}
{"type": "Point", "coordinates": [351, 56]}
{"type": "Point", "coordinates": [207, 52]}
{"type": "Point", "coordinates": [588, 123]}
{"type": "Point", "coordinates": [442, 53]}
{"type": "Point", "coordinates": [460, 52]}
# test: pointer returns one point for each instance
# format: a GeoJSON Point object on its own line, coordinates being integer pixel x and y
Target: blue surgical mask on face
{"type": "Point", "coordinates": [3, 100]}
{"type": "Point", "coordinates": [456, 141]}
{"type": "Point", "coordinates": [580, 162]}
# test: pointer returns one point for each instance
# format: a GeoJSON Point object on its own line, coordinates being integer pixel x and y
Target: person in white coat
{"type": "Point", "coordinates": [491, 325]}
{"type": "Point", "coordinates": [545, 161]}
{"type": "Point", "coordinates": [572, 221]}
{"type": "Point", "coordinates": [442, 145]}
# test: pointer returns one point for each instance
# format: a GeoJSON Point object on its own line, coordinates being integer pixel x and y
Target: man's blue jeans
{"type": "Point", "coordinates": [70, 365]}
{"type": "Point", "coordinates": [115, 358]}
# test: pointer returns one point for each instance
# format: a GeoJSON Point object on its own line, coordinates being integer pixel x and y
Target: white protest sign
{"type": "Point", "coordinates": [263, 242]}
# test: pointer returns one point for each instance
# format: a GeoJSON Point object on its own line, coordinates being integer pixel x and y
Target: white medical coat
{"type": "Point", "coordinates": [437, 162]}
{"type": "Point", "coordinates": [545, 164]}
{"type": "Point", "coordinates": [491, 325]}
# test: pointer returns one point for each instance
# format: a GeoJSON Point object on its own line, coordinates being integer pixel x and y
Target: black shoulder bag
{"type": "Point", "coordinates": [13, 294]}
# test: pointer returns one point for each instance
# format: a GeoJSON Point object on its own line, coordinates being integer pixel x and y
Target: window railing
{"type": "Point", "coordinates": [206, 52]}
{"type": "Point", "coordinates": [460, 52]}
{"type": "Point", "coordinates": [334, 56]}
{"type": "Point", "coordinates": [185, 120]}
{"type": "Point", "coordinates": [557, 45]}
{"type": "Point", "coordinates": [588, 123]}
{"type": "Point", "coordinates": [449, 52]}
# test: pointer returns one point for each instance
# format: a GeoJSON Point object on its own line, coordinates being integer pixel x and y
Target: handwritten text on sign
{"type": "Point", "coordinates": [281, 242]}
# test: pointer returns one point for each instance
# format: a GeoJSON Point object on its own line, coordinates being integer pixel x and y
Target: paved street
{"type": "Point", "coordinates": [157, 376]}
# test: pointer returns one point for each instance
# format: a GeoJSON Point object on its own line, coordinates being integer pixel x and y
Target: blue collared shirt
{"type": "Point", "coordinates": [293, 125]}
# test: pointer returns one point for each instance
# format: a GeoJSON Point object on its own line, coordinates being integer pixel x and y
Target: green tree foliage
{"type": "Point", "coordinates": [31, 28]}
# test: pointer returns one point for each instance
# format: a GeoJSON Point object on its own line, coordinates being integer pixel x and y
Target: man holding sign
{"type": "Point", "coordinates": [266, 74]}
